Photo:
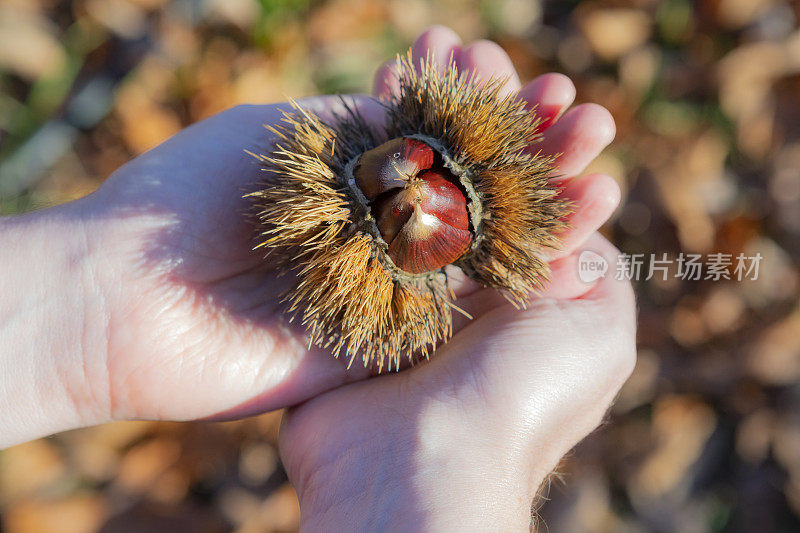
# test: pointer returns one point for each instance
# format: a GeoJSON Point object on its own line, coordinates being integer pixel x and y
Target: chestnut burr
{"type": "Point", "coordinates": [367, 216]}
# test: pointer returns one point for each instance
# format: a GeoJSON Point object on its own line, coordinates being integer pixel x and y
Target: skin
{"type": "Point", "coordinates": [144, 300]}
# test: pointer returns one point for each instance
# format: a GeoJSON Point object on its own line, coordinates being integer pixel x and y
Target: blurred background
{"type": "Point", "coordinates": [705, 436]}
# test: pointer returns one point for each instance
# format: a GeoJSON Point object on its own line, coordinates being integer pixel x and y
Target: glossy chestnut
{"type": "Point", "coordinates": [419, 208]}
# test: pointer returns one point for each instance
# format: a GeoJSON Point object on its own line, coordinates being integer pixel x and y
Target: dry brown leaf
{"type": "Point", "coordinates": [613, 32]}
{"type": "Point", "coordinates": [74, 514]}
{"type": "Point", "coordinates": [29, 468]}
{"type": "Point", "coordinates": [681, 426]}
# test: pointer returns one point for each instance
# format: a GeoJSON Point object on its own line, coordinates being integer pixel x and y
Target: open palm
{"type": "Point", "coordinates": [193, 322]}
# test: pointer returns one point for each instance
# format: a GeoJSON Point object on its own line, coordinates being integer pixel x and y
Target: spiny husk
{"type": "Point", "coordinates": [349, 295]}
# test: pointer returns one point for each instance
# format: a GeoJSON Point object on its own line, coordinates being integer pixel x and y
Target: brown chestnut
{"type": "Point", "coordinates": [420, 211]}
{"type": "Point", "coordinates": [390, 165]}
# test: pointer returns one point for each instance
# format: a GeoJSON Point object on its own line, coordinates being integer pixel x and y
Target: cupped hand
{"type": "Point", "coordinates": [191, 315]}
{"type": "Point", "coordinates": [462, 442]}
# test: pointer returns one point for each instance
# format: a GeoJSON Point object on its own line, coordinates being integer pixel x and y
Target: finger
{"type": "Point", "coordinates": [595, 197]}
{"type": "Point", "coordinates": [486, 60]}
{"type": "Point", "coordinates": [441, 43]}
{"type": "Point", "coordinates": [574, 279]}
{"type": "Point", "coordinates": [564, 283]}
{"type": "Point", "coordinates": [579, 136]}
{"type": "Point", "coordinates": [551, 94]}
{"type": "Point", "coordinates": [386, 82]}
{"type": "Point", "coordinates": [612, 290]}
{"type": "Point", "coordinates": [571, 278]}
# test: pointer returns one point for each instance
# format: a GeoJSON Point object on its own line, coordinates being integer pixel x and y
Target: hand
{"type": "Point", "coordinates": [145, 299]}
{"type": "Point", "coordinates": [462, 443]}
{"type": "Point", "coordinates": [157, 307]}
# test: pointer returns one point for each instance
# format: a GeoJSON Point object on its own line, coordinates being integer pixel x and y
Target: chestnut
{"type": "Point", "coordinates": [420, 211]}
{"type": "Point", "coordinates": [387, 166]}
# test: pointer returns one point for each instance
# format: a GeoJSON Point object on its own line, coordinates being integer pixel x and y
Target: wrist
{"type": "Point", "coordinates": [52, 315]}
{"type": "Point", "coordinates": [447, 475]}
